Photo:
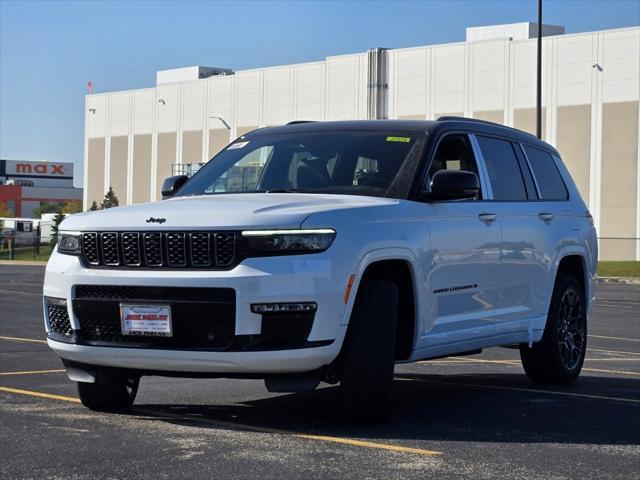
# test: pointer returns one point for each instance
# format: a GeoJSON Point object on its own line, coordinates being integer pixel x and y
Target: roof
{"type": "Point", "coordinates": [349, 125]}
{"type": "Point", "coordinates": [404, 126]}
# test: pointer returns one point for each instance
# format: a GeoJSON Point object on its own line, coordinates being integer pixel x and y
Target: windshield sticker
{"type": "Point", "coordinates": [399, 139]}
{"type": "Point", "coordinates": [238, 145]}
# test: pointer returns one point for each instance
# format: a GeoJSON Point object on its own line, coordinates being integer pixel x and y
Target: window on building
{"type": "Point", "coordinates": [503, 169]}
{"type": "Point", "coordinates": [547, 175]}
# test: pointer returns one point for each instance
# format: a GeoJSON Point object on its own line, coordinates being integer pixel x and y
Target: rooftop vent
{"type": "Point", "coordinates": [189, 73]}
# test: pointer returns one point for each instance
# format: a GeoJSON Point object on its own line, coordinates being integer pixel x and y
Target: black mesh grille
{"type": "Point", "coordinates": [225, 248]}
{"type": "Point", "coordinates": [131, 248]}
{"type": "Point", "coordinates": [59, 319]}
{"type": "Point", "coordinates": [160, 249]}
{"type": "Point", "coordinates": [200, 249]}
{"type": "Point", "coordinates": [176, 249]}
{"type": "Point", "coordinates": [90, 248]}
{"type": "Point", "coordinates": [134, 293]}
{"type": "Point", "coordinates": [202, 318]}
{"type": "Point", "coordinates": [110, 253]}
{"type": "Point", "coordinates": [153, 249]}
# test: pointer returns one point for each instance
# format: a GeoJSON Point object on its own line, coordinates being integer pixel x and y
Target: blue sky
{"type": "Point", "coordinates": [49, 50]}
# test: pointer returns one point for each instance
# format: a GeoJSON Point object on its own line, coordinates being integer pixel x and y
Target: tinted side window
{"type": "Point", "coordinates": [454, 152]}
{"type": "Point", "coordinates": [503, 168]}
{"type": "Point", "coordinates": [547, 175]}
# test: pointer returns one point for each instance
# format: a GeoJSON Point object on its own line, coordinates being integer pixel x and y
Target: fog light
{"type": "Point", "coordinates": [261, 308]}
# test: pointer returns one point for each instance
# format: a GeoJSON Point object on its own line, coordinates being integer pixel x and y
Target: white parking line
{"type": "Point", "coordinates": [21, 293]}
{"type": "Point", "coordinates": [614, 338]}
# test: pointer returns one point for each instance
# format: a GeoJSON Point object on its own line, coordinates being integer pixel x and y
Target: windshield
{"type": "Point", "coordinates": [353, 163]}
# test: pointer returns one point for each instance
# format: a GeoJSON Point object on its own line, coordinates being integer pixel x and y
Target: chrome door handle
{"type": "Point", "coordinates": [487, 217]}
{"type": "Point", "coordinates": [545, 217]}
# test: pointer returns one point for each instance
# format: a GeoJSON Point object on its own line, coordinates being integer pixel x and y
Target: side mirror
{"type": "Point", "coordinates": [453, 185]}
{"type": "Point", "coordinates": [171, 185]}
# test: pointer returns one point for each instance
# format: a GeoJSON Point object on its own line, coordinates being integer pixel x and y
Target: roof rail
{"type": "Point", "coordinates": [484, 122]}
{"type": "Point", "coordinates": [296, 122]}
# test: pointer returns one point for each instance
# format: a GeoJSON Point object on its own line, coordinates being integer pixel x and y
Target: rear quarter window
{"type": "Point", "coordinates": [546, 173]}
{"type": "Point", "coordinates": [503, 169]}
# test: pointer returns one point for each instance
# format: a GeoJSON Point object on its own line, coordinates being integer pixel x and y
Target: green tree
{"type": "Point", "coordinates": [72, 206]}
{"type": "Point", "coordinates": [55, 227]}
{"type": "Point", "coordinates": [47, 207]}
{"type": "Point", "coordinates": [94, 206]}
{"type": "Point", "coordinates": [4, 210]}
{"type": "Point", "coordinates": [110, 199]}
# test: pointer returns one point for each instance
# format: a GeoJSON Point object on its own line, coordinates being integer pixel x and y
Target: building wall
{"type": "Point", "coordinates": [590, 81]}
{"type": "Point", "coordinates": [140, 179]}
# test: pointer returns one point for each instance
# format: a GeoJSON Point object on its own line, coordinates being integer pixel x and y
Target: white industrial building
{"type": "Point", "coordinates": [591, 92]}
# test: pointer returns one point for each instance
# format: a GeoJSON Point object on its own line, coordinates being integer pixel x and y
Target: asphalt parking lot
{"type": "Point", "coordinates": [466, 417]}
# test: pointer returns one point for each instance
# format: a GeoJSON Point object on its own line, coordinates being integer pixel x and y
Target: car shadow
{"type": "Point", "coordinates": [477, 408]}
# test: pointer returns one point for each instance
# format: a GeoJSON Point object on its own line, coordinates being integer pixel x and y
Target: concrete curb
{"type": "Point", "coordinates": [626, 280]}
{"type": "Point", "coordinates": [22, 262]}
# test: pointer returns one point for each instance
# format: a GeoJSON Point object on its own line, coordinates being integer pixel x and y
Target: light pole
{"type": "Point", "coordinates": [539, 75]}
{"type": "Point", "coordinates": [226, 125]}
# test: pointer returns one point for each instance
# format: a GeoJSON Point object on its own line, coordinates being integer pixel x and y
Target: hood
{"type": "Point", "coordinates": [219, 212]}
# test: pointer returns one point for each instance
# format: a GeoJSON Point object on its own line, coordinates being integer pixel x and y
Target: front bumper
{"type": "Point", "coordinates": [269, 362]}
{"type": "Point", "coordinates": [305, 278]}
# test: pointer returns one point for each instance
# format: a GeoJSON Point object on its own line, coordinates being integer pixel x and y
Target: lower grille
{"type": "Point", "coordinates": [202, 318]}
{"type": "Point", "coordinates": [155, 294]}
{"type": "Point", "coordinates": [58, 316]}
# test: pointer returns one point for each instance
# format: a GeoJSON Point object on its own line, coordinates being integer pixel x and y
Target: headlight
{"type": "Point", "coordinates": [276, 242]}
{"type": "Point", "coordinates": [69, 243]}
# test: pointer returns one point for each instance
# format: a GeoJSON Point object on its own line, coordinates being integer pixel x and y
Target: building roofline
{"type": "Point", "coordinates": [390, 49]}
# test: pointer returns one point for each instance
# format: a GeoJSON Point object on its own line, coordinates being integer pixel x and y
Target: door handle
{"type": "Point", "coordinates": [487, 217]}
{"type": "Point", "coordinates": [545, 217]}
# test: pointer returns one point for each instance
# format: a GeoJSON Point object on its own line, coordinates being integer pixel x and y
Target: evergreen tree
{"type": "Point", "coordinates": [94, 206]}
{"type": "Point", "coordinates": [55, 227]}
{"type": "Point", "coordinates": [110, 199]}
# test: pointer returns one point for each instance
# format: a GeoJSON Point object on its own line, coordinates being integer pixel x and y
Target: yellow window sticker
{"type": "Point", "coordinates": [399, 139]}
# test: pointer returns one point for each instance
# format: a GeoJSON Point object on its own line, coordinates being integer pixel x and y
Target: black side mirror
{"type": "Point", "coordinates": [453, 185]}
{"type": "Point", "coordinates": [171, 185]}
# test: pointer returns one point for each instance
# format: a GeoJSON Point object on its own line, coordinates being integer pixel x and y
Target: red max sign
{"type": "Point", "coordinates": [40, 168]}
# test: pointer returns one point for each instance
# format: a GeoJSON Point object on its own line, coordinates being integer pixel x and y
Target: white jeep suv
{"type": "Point", "coordinates": [328, 251]}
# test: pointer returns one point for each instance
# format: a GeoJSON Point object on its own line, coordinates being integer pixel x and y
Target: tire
{"type": "Point", "coordinates": [112, 396]}
{"type": "Point", "coordinates": [369, 353]}
{"type": "Point", "coordinates": [558, 357]}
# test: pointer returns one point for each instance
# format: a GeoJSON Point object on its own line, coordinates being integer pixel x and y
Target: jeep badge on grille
{"type": "Point", "coordinates": [156, 220]}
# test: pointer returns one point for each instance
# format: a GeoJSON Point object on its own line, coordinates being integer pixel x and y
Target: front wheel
{"type": "Point", "coordinates": [557, 359]}
{"type": "Point", "coordinates": [114, 395]}
{"type": "Point", "coordinates": [369, 355]}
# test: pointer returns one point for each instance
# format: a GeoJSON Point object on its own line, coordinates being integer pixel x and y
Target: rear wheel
{"type": "Point", "coordinates": [113, 395]}
{"type": "Point", "coordinates": [369, 355]}
{"type": "Point", "coordinates": [557, 359]}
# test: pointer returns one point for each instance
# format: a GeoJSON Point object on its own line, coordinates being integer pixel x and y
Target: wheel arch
{"type": "Point", "coordinates": [574, 262]}
{"type": "Point", "coordinates": [396, 265]}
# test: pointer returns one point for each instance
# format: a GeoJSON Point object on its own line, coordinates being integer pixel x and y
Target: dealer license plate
{"type": "Point", "coordinates": [146, 320]}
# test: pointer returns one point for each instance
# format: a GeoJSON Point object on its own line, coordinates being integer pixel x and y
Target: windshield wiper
{"type": "Point", "coordinates": [283, 190]}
